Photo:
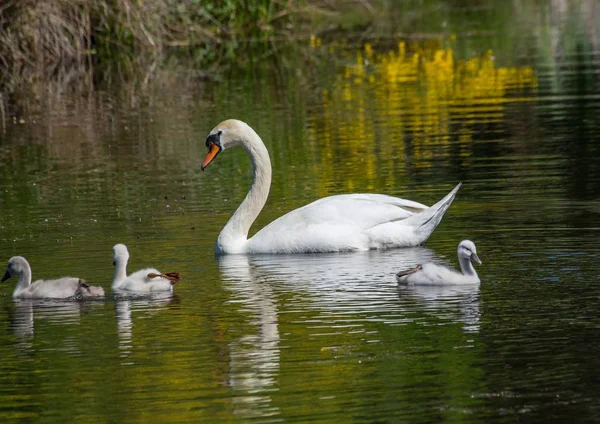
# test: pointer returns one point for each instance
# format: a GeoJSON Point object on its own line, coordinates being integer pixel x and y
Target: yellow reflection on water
{"type": "Point", "coordinates": [409, 104]}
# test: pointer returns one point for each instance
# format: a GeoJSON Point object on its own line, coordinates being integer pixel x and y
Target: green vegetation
{"type": "Point", "coordinates": [64, 39]}
{"type": "Point", "coordinates": [51, 47]}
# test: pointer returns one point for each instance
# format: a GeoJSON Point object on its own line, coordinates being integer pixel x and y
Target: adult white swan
{"type": "Point", "coordinates": [61, 288]}
{"type": "Point", "coordinates": [432, 274]}
{"type": "Point", "coordinates": [337, 223]}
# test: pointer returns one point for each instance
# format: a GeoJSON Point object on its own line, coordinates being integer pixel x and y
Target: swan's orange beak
{"type": "Point", "coordinates": [213, 151]}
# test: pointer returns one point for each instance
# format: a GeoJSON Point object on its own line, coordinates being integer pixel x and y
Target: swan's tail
{"type": "Point", "coordinates": [425, 222]}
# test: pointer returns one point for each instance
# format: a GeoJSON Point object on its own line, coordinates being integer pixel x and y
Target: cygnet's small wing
{"type": "Point", "coordinates": [86, 290]}
{"type": "Point", "coordinates": [60, 288]}
{"type": "Point", "coordinates": [401, 276]}
{"type": "Point", "coordinates": [434, 274]}
{"type": "Point", "coordinates": [173, 277]}
{"type": "Point", "coordinates": [147, 280]}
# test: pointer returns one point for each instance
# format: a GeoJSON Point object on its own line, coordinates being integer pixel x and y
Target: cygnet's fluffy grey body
{"type": "Point", "coordinates": [60, 288]}
{"type": "Point", "coordinates": [433, 274]}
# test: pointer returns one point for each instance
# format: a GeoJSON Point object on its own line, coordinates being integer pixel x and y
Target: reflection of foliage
{"type": "Point", "coordinates": [420, 92]}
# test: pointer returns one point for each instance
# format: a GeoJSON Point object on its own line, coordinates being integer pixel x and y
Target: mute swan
{"type": "Point", "coordinates": [60, 288]}
{"type": "Point", "coordinates": [432, 274]}
{"type": "Point", "coordinates": [148, 280]}
{"type": "Point", "coordinates": [337, 223]}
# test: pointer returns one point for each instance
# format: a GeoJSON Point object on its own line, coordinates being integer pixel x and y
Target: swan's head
{"type": "Point", "coordinates": [228, 133]}
{"type": "Point", "coordinates": [467, 250]}
{"type": "Point", "coordinates": [120, 253]}
{"type": "Point", "coordinates": [16, 266]}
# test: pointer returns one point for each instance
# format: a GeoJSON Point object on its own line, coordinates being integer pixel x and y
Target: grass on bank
{"type": "Point", "coordinates": [64, 39]}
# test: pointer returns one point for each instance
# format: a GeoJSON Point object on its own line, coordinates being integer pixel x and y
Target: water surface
{"type": "Point", "coordinates": [513, 113]}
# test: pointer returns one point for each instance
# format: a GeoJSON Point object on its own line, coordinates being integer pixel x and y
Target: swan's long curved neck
{"type": "Point", "coordinates": [24, 280]}
{"type": "Point", "coordinates": [234, 235]}
{"type": "Point", "coordinates": [120, 271]}
{"type": "Point", "coordinates": [466, 266]}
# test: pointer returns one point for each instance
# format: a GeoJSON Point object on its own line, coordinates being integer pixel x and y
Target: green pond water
{"type": "Point", "coordinates": [513, 113]}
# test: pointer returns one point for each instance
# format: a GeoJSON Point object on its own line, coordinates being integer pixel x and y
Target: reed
{"type": "Point", "coordinates": [65, 40]}
{"type": "Point", "coordinates": [43, 38]}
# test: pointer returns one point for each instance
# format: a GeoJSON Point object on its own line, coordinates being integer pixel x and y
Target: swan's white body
{"type": "Point", "coordinates": [346, 222]}
{"type": "Point", "coordinates": [138, 281]}
{"type": "Point", "coordinates": [61, 288]}
{"type": "Point", "coordinates": [433, 274]}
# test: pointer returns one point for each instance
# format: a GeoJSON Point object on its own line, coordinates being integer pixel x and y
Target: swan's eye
{"type": "Point", "coordinates": [114, 263]}
{"type": "Point", "coordinates": [214, 138]}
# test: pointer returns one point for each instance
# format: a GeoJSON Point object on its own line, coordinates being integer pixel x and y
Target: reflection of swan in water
{"type": "Point", "coordinates": [143, 305]}
{"type": "Point", "coordinates": [357, 283]}
{"type": "Point", "coordinates": [331, 278]}
{"type": "Point", "coordinates": [444, 301]}
{"type": "Point", "coordinates": [20, 318]}
{"type": "Point", "coordinates": [254, 358]}
{"type": "Point", "coordinates": [359, 287]}
{"type": "Point", "coordinates": [25, 312]}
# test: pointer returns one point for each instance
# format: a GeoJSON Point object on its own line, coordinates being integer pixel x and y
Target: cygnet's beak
{"type": "Point", "coordinates": [6, 276]}
{"type": "Point", "coordinates": [475, 258]}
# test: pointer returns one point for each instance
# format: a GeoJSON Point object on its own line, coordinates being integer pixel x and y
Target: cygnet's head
{"type": "Point", "coordinates": [227, 134]}
{"type": "Point", "coordinates": [467, 249]}
{"type": "Point", "coordinates": [16, 266]}
{"type": "Point", "coordinates": [120, 253]}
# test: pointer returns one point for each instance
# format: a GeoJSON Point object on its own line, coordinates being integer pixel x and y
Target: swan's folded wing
{"type": "Point", "coordinates": [379, 199]}
{"type": "Point", "coordinates": [331, 224]}
{"type": "Point", "coordinates": [357, 211]}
